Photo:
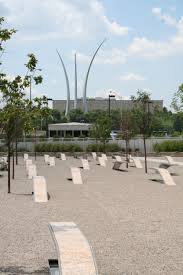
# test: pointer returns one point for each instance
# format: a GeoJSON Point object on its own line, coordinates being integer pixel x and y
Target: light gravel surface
{"type": "Point", "coordinates": [134, 224]}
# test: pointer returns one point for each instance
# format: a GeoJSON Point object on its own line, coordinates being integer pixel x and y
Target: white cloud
{"type": "Point", "coordinates": [166, 18]}
{"type": "Point", "coordinates": [113, 56]}
{"type": "Point", "coordinates": [44, 20]}
{"type": "Point", "coordinates": [131, 77]}
{"type": "Point", "coordinates": [144, 47]}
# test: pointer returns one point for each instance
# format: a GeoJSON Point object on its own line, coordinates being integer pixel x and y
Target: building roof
{"type": "Point", "coordinates": [69, 126]}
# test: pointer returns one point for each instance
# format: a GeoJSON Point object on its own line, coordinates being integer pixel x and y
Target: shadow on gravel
{"type": "Point", "coordinates": [12, 270]}
{"type": "Point", "coordinates": [18, 194]}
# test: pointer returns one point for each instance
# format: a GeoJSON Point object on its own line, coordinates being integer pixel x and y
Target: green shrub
{"type": "Point", "coordinates": [169, 146]}
{"type": "Point", "coordinates": [57, 147]}
{"type": "Point", "coordinates": [100, 148]}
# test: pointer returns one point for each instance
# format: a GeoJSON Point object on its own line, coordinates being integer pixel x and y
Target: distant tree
{"type": "Point", "coordinates": [101, 130]}
{"type": "Point", "coordinates": [143, 117]}
{"type": "Point", "coordinates": [162, 121]}
{"type": "Point", "coordinates": [177, 101]}
{"type": "Point", "coordinates": [76, 115]}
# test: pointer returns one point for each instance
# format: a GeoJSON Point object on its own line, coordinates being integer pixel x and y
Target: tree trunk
{"type": "Point", "coordinates": [16, 151]}
{"type": "Point", "coordinates": [145, 154]}
{"type": "Point", "coordinates": [35, 145]}
{"type": "Point", "coordinates": [126, 153]}
{"type": "Point", "coordinates": [13, 164]}
{"type": "Point", "coordinates": [9, 171]}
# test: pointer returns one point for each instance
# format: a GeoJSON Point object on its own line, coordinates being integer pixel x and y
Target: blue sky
{"type": "Point", "coordinates": [143, 50]}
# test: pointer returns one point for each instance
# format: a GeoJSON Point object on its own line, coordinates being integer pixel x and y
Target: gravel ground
{"type": "Point", "coordinates": [134, 224]}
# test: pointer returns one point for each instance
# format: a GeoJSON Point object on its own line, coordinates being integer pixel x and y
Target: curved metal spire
{"type": "Point", "coordinates": [76, 84]}
{"type": "Point", "coordinates": [86, 80]}
{"type": "Point", "coordinates": [67, 83]}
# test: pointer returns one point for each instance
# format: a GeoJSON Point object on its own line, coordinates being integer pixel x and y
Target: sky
{"type": "Point", "coordinates": [143, 48]}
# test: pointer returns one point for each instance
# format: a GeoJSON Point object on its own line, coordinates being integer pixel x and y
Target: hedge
{"type": "Point", "coordinates": [57, 147]}
{"type": "Point", "coordinates": [169, 146]}
{"type": "Point", "coordinates": [100, 148]}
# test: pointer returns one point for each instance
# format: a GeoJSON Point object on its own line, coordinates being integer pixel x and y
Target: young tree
{"type": "Point", "coordinates": [16, 113]}
{"type": "Point", "coordinates": [143, 117]}
{"type": "Point", "coordinates": [101, 130]}
{"type": "Point", "coordinates": [129, 129]}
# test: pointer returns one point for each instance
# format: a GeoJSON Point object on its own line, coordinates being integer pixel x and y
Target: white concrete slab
{"type": "Point", "coordinates": [26, 156]}
{"type": "Point", "coordinates": [62, 156]}
{"type": "Point", "coordinates": [172, 162]}
{"type": "Point", "coordinates": [46, 158]}
{"type": "Point", "coordinates": [118, 158]}
{"type": "Point", "coordinates": [76, 175]}
{"type": "Point", "coordinates": [32, 171]}
{"type": "Point", "coordinates": [164, 173]}
{"type": "Point", "coordinates": [137, 163]}
{"type": "Point", "coordinates": [94, 155]}
{"type": "Point", "coordinates": [51, 161]}
{"type": "Point", "coordinates": [27, 163]}
{"type": "Point", "coordinates": [40, 189]}
{"type": "Point", "coordinates": [85, 164]}
{"type": "Point", "coordinates": [74, 253]}
{"type": "Point", "coordinates": [104, 156]}
{"type": "Point", "coordinates": [102, 161]}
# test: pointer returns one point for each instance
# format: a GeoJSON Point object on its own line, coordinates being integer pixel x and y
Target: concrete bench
{"type": "Point", "coordinates": [27, 163]}
{"type": "Point", "coordinates": [85, 164]}
{"type": "Point", "coordinates": [74, 253]}
{"type": "Point", "coordinates": [62, 156]}
{"type": "Point", "coordinates": [102, 161]}
{"type": "Point", "coordinates": [137, 163]}
{"type": "Point", "coordinates": [164, 173]}
{"type": "Point", "coordinates": [76, 175]}
{"type": "Point", "coordinates": [26, 156]}
{"type": "Point", "coordinates": [40, 193]}
{"type": "Point", "coordinates": [172, 162]}
{"type": "Point", "coordinates": [104, 156]}
{"type": "Point", "coordinates": [32, 171]}
{"type": "Point", "coordinates": [46, 158]}
{"type": "Point", "coordinates": [51, 161]}
{"type": "Point", "coordinates": [118, 158]}
{"type": "Point", "coordinates": [94, 155]}
{"type": "Point", "coordinates": [117, 165]}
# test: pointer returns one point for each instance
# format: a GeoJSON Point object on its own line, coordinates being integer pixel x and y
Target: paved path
{"type": "Point", "coordinates": [134, 225]}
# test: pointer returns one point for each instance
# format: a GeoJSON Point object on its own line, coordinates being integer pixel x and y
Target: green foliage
{"type": "Point", "coordinates": [169, 146]}
{"type": "Point", "coordinates": [177, 102]}
{"type": "Point", "coordinates": [57, 147]}
{"type": "Point", "coordinates": [101, 129]}
{"type": "Point", "coordinates": [162, 121]}
{"type": "Point", "coordinates": [98, 147]}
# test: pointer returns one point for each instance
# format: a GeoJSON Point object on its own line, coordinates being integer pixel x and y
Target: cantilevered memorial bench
{"type": "Point", "coordinates": [85, 164]}
{"type": "Point", "coordinates": [40, 193]}
{"type": "Point", "coordinates": [46, 158]}
{"type": "Point", "coordinates": [137, 162]}
{"type": "Point", "coordinates": [26, 156]}
{"type": "Point", "coordinates": [28, 162]}
{"type": "Point", "coordinates": [62, 156]}
{"type": "Point", "coordinates": [51, 161]}
{"type": "Point", "coordinates": [74, 253]}
{"type": "Point", "coordinates": [102, 161]}
{"type": "Point", "coordinates": [104, 156]}
{"type": "Point", "coordinates": [165, 175]}
{"type": "Point", "coordinates": [118, 158]}
{"type": "Point", "coordinates": [117, 165]}
{"type": "Point", "coordinates": [76, 175]}
{"type": "Point", "coordinates": [32, 171]}
{"type": "Point", "coordinates": [94, 155]}
{"type": "Point", "coordinates": [172, 162]}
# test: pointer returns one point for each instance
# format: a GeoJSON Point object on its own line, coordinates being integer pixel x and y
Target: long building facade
{"type": "Point", "coordinates": [102, 104]}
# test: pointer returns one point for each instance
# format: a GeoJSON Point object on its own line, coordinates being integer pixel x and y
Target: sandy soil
{"type": "Point", "coordinates": [134, 224]}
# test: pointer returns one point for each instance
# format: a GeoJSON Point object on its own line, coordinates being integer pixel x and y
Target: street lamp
{"type": "Point", "coordinates": [110, 96]}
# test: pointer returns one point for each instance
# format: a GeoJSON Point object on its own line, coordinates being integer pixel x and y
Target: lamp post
{"type": "Point", "coordinates": [110, 96]}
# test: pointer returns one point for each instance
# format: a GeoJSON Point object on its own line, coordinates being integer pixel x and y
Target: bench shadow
{"type": "Point", "coordinates": [157, 180]}
{"type": "Point", "coordinates": [69, 179]}
{"type": "Point", "coordinates": [12, 270]}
